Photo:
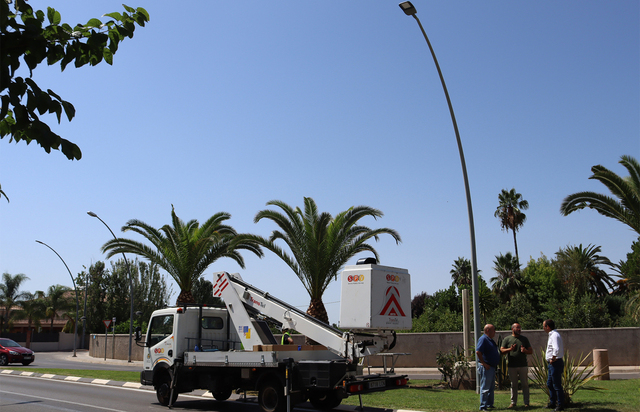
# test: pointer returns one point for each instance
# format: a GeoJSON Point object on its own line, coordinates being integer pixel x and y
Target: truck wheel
{"type": "Point", "coordinates": [222, 395]}
{"type": "Point", "coordinates": [163, 391]}
{"type": "Point", "coordinates": [326, 400]}
{"type": "Point", "coordinates": [271, 397]}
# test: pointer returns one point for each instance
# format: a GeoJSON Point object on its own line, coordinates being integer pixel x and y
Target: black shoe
{"type": "Point", "coordinates": [551, 406]}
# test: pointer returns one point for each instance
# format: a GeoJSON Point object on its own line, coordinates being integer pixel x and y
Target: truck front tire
{"type": "Point", "coordinates": [163, 391]}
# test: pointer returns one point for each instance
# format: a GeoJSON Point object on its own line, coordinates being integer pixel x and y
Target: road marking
{"type": "Point", "coordinates": [6, 371]}
{"type": "Point", "coordinates": [60, 400]}
{"type": "Point", "coordinates": [72, 378]}
{"type": "Point", "coordinates": [100, 381]}
{"type": "Point", "coordinates": [47, 375]}
{"type": "Point", "coordinates": [132, 385]}
{"type": "Point", "coordinates": [26, 373]}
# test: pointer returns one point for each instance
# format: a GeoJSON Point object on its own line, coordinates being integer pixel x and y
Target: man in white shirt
{"type": "Point", "coordinates": [555, 350]}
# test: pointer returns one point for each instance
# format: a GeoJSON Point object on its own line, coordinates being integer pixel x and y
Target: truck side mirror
{"type": "Point", "coordinates": [138, 334]}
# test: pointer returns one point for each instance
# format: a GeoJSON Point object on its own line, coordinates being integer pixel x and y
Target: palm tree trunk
{"type": "Point", "coordinates": [515, 244]}
{"type": "Point", "coordinates": [318, 311]}
{"type": "Point", "coordinates": [185, 297]}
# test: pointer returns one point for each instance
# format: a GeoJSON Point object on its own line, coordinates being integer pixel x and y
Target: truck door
{"type": "Point", "coordinates": [160, 341]}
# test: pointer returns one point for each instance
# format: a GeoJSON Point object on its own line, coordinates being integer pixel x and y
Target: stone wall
{"type": "Point", "coordinates": [621, 343]}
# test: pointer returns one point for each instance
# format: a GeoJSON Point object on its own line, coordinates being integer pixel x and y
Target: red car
{"type": "Point", "coordinates": [11, 352]}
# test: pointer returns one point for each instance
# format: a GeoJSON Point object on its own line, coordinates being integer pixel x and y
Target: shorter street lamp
{"type": "Point", "coordinates": [75, 331]}
{"type": "Point", "coordinates": [90, 213]}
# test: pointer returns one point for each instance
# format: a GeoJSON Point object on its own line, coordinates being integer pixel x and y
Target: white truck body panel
{"type": "Point", "coordinates": [375, 297]}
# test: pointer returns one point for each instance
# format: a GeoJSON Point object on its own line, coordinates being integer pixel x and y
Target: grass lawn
{"type": "Point", "coordinates": [422, 395]}
{"type": "Point", "coordinates": [618, 395]}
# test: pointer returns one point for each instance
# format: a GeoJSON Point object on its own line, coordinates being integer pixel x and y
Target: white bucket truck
{"type": "Point", "coordinates": [232, 348]}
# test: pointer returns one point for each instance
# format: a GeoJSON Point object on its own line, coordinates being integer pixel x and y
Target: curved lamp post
{"type": "Point", "coordinates": [410, 10]}
{"type": "Point", "coordinates": [75, 331]}
{"type": "Point", "coordinates": [90, 213]}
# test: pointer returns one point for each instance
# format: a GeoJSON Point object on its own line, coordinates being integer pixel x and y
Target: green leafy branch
{"type": "Point", "coordinates": [25, 37]}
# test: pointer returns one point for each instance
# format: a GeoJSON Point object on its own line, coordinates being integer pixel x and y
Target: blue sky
{"type": "Point", "coordinates": [223, 106]}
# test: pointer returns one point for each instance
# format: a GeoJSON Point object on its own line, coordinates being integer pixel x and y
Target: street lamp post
{"type": "Point", "coordinates": [410, 10]}
{"type": "Point", "coordinates": [90, 213]}
{"type": "Point", "coordinates": [75, 329]}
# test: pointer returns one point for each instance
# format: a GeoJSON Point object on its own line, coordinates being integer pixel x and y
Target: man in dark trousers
{"type": "Point", "coordinates": [553, 355]}
{"type": "Point", "coordinates": [516, 347]}
{"type": "Point", "coordinates": [488, 359]}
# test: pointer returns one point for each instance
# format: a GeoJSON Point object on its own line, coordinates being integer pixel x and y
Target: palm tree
{"type": "Point", "coordinates": [320, 244]}
{"type": "Point", "coordinates": [32, 308]}
{"type": "Point", "coordinates": [2, 193]}
{"type": "Point", "coordinates": [508, 282]}
{"type": "Point", "coordinates": [626, 208]}
{"type": "Point", "coordinates": [578, 268]}
{"type": "Point", "coordinates": [509, 211]}
{"type": "Point", "coordinates": [10, 294]}
{"type": "Point", "coordinates": [461, 273]}
{"type": "Point", "coordinates": [185, 250]}
{"type": "Point", "coordinates": [57, 302]}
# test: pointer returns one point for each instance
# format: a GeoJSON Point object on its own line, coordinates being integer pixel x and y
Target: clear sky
{"type": "Point", "coordinates": [223, 106]}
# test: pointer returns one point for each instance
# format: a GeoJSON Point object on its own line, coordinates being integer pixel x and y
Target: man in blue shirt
{"type": "Point", "coordinates": [488, 359]}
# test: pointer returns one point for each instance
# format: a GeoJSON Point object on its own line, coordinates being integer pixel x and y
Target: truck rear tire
{"type": "Point", "coordinates": [325, 400]}
{"type": "Point", "coordinates": [222, 395]}
{"type": "Point", "coordinates": [271, 397]}
{"type": "Point", "coordinates": [163, 391]}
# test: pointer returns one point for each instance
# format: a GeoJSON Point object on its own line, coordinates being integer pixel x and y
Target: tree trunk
{"type": "Point", "coordinates": [185, 296]}
{"type": "Point", "coordinates": [318, 311]}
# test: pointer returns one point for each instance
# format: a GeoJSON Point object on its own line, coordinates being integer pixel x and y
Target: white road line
{"type": "Point", "coordinates": [60, 400]}
{"type": "Point", "coordinates": [132, 385]}
{"type": "Point", "coordinates": [100, 381]}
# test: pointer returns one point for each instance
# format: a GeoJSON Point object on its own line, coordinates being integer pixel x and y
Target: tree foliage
{"type": "Point", "coordinates": [626, 208]}
{"type": "Point", "coordinates": [10, 295]}
{"type": "Point", "coordinates": [185, 249]}
{"type": "Point", "coordinates": [320, 244]}
{"type": "Point", "coordinates": [34, 37]}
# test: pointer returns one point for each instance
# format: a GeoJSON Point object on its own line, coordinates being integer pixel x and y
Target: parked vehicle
{"type": "Point", "coordinates": [12, 352]}
{"type": "Point", "coordinates": [232, 348]}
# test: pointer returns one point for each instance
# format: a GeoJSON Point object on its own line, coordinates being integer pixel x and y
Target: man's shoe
{"type": "Point", "coordinates": [513, 405]}
{"type": "Point", "coordinates": [559, 408]}
{"type": "Point", "coordinates": [551, 406]}
{"type": "Point", "coordinates": [526, 405]}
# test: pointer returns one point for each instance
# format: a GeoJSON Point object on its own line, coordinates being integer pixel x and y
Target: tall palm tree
{"type": "Point", "coordinates": [320, 244]}
{"type": "Point", "coordinates": [508, 282]}
{"type": "Point", "coordinates": [578, 268]}
{"type": "Point", "coordinates": [626, 208]}
{"type": "Point", "coordinates": [32, 308]}
{"type": "Point", "coordinates": [10, 294]}
{"type": "Point", "coordinates": [509, 211]}
{"type": "Point", "coordinates": [185, 250]}
{"type": "Point", "coordinates": [57, 302]}
{"type": "Point", "coordinates": [461, 273]}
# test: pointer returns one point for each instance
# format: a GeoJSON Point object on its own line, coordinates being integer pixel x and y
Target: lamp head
{"type": "Point", "coordinates": [408, 8]}
{"type": "Point", "coordinates": [90, 213]}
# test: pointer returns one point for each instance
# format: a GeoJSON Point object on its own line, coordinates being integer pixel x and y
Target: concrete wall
{"type": "Point", "coordinates": [621, 343]}
{"type": "Point", "coordinates": [116, 348]}
{"type": "Point", "coordinates": [64, 343]}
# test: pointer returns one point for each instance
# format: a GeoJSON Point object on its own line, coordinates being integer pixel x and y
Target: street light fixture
{"type": "Point", "coordinates": [90, 213]}
{"type": "Point", "coordinates": [410, 10]}
{"type": "Point", "coordinates": [75, 329]}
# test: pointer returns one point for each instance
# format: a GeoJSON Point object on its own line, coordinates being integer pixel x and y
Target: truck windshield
{"type": "Point", "coordinates": [161, 327]}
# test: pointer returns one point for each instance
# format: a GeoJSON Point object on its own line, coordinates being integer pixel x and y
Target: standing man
{"type": "Point", "coordinates": [555, 350]}
{"type": "Point", "coordinates": [488, 359]}
{"type": "Point", "coordinates": [517, 347]}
